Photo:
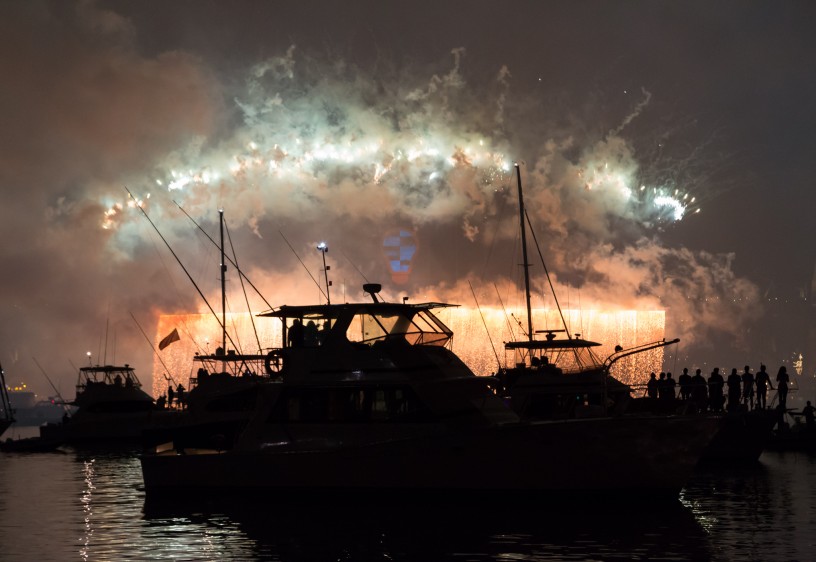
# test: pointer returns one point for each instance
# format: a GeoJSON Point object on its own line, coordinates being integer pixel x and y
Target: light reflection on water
{"type": "Point", "coordinates": [90, 506]}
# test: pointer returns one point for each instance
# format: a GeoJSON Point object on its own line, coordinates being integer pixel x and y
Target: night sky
{"type": "Point", "coordinates": [345, 121]}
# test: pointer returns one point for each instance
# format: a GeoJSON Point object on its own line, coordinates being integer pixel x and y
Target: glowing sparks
{"type": "Point", "coordinates": [646, 203]}
{"type": "Point", "coordinates": [627, 328]}
{"type": "Point", "coordinates": [678, 209]}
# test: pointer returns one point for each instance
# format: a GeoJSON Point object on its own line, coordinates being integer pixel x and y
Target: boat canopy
{"type": "Point", "coordinates": [569, 355]}
{"type": "Point", "coordinates": [366, 323]}
{"type": "Point", "coordinates": [108, 375]}
{"type": "Point", "coordinates": [550, 344]}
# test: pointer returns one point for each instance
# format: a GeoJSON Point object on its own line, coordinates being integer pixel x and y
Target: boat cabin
{"type": "Point", "coordinates": [103, 388]}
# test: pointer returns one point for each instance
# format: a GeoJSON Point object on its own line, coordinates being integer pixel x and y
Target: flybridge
{"type": "Point", "coordinates": [364, 323]}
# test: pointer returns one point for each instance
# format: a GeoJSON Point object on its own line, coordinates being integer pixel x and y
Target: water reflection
{"type": "Point", "coordinates": [766, 510]}
{"type": "Point", "coordinates": [91, 505]}
{"type": "Point", "coordinates": [87, 508]}
{"type": "Point", "coordinates": [442, 531]}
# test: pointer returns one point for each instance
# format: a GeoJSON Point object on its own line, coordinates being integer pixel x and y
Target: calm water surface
{"type": "Point", "coordinates": [81, 505]}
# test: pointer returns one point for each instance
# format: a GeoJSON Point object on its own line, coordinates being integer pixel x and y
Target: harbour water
{"type": "Point", "coordinates": [85, 505]}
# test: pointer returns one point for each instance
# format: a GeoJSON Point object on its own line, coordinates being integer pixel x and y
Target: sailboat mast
{"type": "Point", "coordinates": [524, 256]}
{"type": "Point", "coordinates": [223, 285]}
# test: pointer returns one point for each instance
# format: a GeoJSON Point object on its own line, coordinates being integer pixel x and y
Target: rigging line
{"type": "Point", "coordinates": [234, 264]}
{"type": "Point", "coordinates": [234, 325]}
{"type": "Point", "coordinates": [107, 328]}
{"type": "Point", "coordinates": [50, 382]}
{"type": "Point", "coordinates": [243, 288]}
{"type": "Point", "coordinates": [355, 266]}
{"type": "Point", "coordinates": [358, 271]}
{"type": "Point", "coordinates": [156, 353]}
{"type": "Point", "coordinates": [676, 352]}
{"type": "Point", "coordinates": [504, 310]}
{"type": "Point", "coordinates": [166, 243]}
{"type": "Point", "coordinates": [547, 273]}
{"type": "Point", "coordinates": [319, 288]}
{"type": "Point", "coordinates": [500, 214]}
{"type": "Point", "coordinates": [479, 308]}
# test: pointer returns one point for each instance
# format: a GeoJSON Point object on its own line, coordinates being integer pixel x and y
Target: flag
{"type": "Point", "coordinates": [170, 338]}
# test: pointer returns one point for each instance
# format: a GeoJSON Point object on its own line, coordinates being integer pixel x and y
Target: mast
{"type": "Point", "coordinates": [524, 255]}
{"type": "Point", "coordinates": [5, 402]}
{"type": "Point", "coordinates": [223, 285]}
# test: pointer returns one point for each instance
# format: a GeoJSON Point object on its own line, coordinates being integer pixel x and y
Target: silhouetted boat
{"type": "Point", "coordinates": [793, 435]}
{"type": "Point", "coordinates": [30, 410]}
{"type": "Point", "coordinates": [6, 414]}
{"type": "Point", "coordinates": [375, 401]}
{"type": "Point", "coordinates": [111, 407]}
{"type": "Point", "coordinates": [560, 377]}
{"type": "Point", "coordinates": [742, 436]}
{"type": "Point", "coordinates": [218, 406]}
{"type": "Point", "coordinates": [221, 391]}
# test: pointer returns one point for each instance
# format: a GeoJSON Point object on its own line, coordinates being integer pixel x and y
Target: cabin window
{"type": "Point", "coordinates": [350, 405]}
{"type": "Point", "coordinates": [243, 401]}
{"type": "Point", "coordinates": [365, 328]}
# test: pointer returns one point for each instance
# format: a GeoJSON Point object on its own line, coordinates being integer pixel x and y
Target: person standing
{"type": "Point", "coordinates": [810, 416]}
{"type": "Point", "coordinates": [684, 381]}
{"type": "Point", "coordinates": [748, 387]}
{"type": "Point", "coordinates": [762, 382]}
{"type": "Point", "coordinates": [671, 385]}
{"type": "Point", "coordinates": [734, 394]}
{"type": "Point", "coordinates": [715, 390]}
{"type": "Point", "coordinates": [651, 387]}
{"type": "Point", "coordinates": [782, 380]}
{"type": "Point", "coordinates": [699, 391]}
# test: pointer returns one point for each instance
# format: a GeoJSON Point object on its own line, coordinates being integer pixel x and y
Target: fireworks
{"type": "Point", "coordinates": [628, 328]}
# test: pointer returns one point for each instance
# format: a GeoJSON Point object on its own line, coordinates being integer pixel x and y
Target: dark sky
{"type": "Point", "coordinates": [345, 120]}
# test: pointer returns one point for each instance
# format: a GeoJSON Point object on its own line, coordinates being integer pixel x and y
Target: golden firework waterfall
{"type": "Point", "coordinates": [200, 333]}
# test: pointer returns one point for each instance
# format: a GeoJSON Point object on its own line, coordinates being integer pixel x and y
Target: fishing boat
{"type": "Point", "coordinates": [560, 377]}
{"type": "Point", "coordinates": [368, 398]}
{"type": "Point", "coordinates": [111, 407]}
{"type": "Point", "coordinates": [222, 387]}
{"type": "Point", "coordinates": [6, 413]}
{"type": "Point", "coordinates": [553, 374]}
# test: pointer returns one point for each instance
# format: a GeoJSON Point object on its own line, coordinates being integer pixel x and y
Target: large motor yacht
{"type": "Point", "coordinates": [370, 397]}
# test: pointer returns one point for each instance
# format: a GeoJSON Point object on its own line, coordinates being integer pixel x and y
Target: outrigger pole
{"type": "Point", "coordinates": [190, 277]}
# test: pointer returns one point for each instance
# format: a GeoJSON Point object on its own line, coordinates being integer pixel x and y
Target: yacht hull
{"type": "Point", "coordinates": [126, 428]}
{"type": "Point", "coordinates": [650, 455]}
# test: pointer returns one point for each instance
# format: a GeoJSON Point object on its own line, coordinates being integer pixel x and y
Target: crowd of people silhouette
{"type": "Point", "coordinates": [737, 392]}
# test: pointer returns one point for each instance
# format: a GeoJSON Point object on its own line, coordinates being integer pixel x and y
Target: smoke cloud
{"type": "Point", "coordinates": [299, 148]}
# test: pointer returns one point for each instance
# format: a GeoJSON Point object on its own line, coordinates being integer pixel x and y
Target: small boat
{"type": "Point", "coordinates": [111, 407]}
{"type": "Point", "coordinates": [221, 390]}
{"type": "Point", "coordinates": [220, 401]}
{"type": "Point", "coordinates": [742, 437]}
{"type": "Point", "coordinates": [373, 400]}
{"type": "Point", "coordinates": [6, 413]}
{"type": "Point", "coordinates": [791, 433]}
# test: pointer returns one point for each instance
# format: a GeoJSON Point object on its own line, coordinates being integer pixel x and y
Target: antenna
{"type": "Point", "coordinates": [322, 247]}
